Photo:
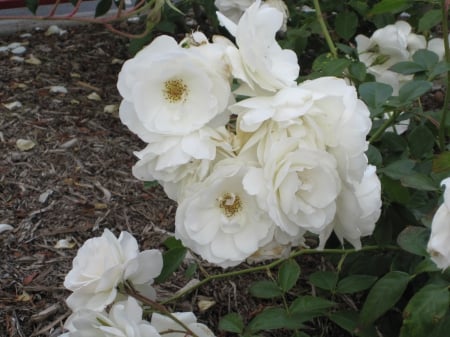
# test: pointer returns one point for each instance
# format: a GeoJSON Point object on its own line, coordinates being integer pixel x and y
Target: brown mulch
{"type": "Point", "coordinates": [74, 182]}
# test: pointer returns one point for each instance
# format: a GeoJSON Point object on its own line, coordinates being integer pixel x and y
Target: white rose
{"type": "Point", "coordinates": [260, 62]}
{"type": "Point", "coordinates": [171, 90]}
{"type": "Point", "coordinates": [219, 220]}
{"type": "Point", "coordinates": [233, 9]}
{"type": "Point", "coordinates": [324, 113]}
{"type": "Point", "coordinates": [123, 320]}
{"type": "Point", "coordinates": [386, 47]}
{"type": "Point", "coordinates": [104, 262]}
{"type": "Point", "coordinates": [438, 245]}
{"type": "Point", "coordinates": [164, 325]}
{"type": "Point", "coordinates": [358, 209]}
{"type": "Point", "coordinates": [297, 185]}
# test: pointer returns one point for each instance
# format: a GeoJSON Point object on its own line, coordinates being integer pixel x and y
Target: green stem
{"type": "Point", "coordinates": [274, 264]}
{"type": "Point", "coordinates": [324, 28]}
{"type": "Point", "coordinates": [383, 128]}
{"type": "Point", "coordinates": [447, 59]}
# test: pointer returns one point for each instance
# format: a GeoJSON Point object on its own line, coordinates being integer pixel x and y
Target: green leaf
{"type": "Point", "coordinates": [274, 318]}
{"type": "Point", "coordinates": [389, 6]}
{"type": "Point", "coordinates": [426, 266]}
{"type": "Point", "coordinates": [150, 184]}
{"type": "Point", "coordinates": [413, 90]}
{"type": "Point", "coordinates": [32, 5]}
{"type": "Point", "coordinates": [398, 169]}
{"type": "Point", "coordinates": [171, 261]}
{"type": "Point", "coordinates": [420, 141]}
{"type": "Point", "coordinates": [325, 65]}
{"type": "Point", "coordinates": [425, 58]}
{"type": "Point", "coordinates": [171, 243]}
{"type": "Point", "coordinates": [413, 239]}
{"type": "Point", "coordinates": [324, 279]}
{"type": "Point", "coordinates": [265, 289]}
{"type": "Point", "coordinates": [424, 310]}
{"type": "Point", "coordinates": [349, 321]}
{"type": "Point", "coordinates": [358, 70]}
{"type": "Point", "coordinates": [346, 24]}
{"type": "Point", "coordinates": [420, 182]}
{"type": "Point", "coordinates": [375, 94]}
{"type": "Point", "coordinates": [441, 162]}
{"type": "Point", "coordinates": [374, 156]}
{"type": "Point", "coordinates": [407, 68]}
{"type": "Point", "coordinates": [383, 296]}
{"type": "Point", "coordinates": [103, 7]}
{"type": "Point", "coordinates": [438, 69]}
{"type": "Point", "coordinates": [288, 275]}
{"type": "Point", "coordinates": [231, 323]}
{"type": "Point", "coordinates": [308, 307]}
{"type": "Point", "coordinates": [190, 270]}
{"type": "Point", "coordinates": [355, 283]}
{"type": "Point", "coordinates": [396, 192]}
{"type": "Point", "coordinates": [429, 19]}
{"type": "Point", "coordinates": [442, 328]}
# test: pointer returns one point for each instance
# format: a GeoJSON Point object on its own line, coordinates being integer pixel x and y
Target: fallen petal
{"type": "Point", "coordinates": [25, 144]}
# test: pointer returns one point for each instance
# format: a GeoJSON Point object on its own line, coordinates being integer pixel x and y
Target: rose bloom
{"type": "Point", "coordinates": [358, 209]}
{"type": "Point", "coordinates": [219, 220]}
{"type": "Point", "coordinates": [438, 245]}
{"type": "Point", "coordinates": [164, 324]}
{"type": "Point", "coordinates": [123, 320]}
{"type": "Point", "coordinates": [386, 47]}
{"type": "Point", "coordinates": [173, 90]}
{"type": "Point", "coordinates": [324, 113]}
{"type": "Point", "coordinates": [104, 262]}
{"type": "Point", "coordinates": [295, 182]}
{"type": "Point", "coordinates": [259, 62]}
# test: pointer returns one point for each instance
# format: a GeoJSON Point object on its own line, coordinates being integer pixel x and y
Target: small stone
{"type": "Point", "coordinates": [19, 50]}
{"type": "Point", "coordinates": [4, 49]}
{"type": "Point", "coordinates": [58, 89]}
{"type": "Point", "coordinates": [54, 29]}
{"type": "Point", "coordinates": [44, 196]}
{"type": "Point", "coordinates": [12, 105]}
{"type": "Point", "coordinates": [25, 35]}
{"type": "Point", "coordinates": [94, 97]}
{"type": "Point", "coordinates": [69, 143]}
{"type": "Point", "coordinates": [117, 61]}
{"type": "Point", "coordinates": [111, 108]}
{"type": "Point", "coordinates": [5, 227]}
{"type": "Point", "coordinates": [25, 144]}
{"type": "Point", "coordinates": [13, 45]}
{"type": "Point", "coordinates": [64, 244]}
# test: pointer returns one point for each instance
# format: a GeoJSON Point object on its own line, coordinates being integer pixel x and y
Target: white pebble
{"type": "Point", "coordinates": [58, 89]}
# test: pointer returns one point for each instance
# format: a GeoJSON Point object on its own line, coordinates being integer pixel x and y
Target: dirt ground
{"type": "Point", "coordinates": [75, 181]}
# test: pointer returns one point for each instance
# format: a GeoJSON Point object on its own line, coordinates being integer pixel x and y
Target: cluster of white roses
{"type": "Point", "coordinates": [390, 45]}
{"type": "Point", "coordinates": [256, 168]}
{"type": "Point", "coordinates": [104, 263]}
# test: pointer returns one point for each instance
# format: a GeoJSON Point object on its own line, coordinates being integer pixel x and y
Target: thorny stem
{"type": "Point", "coordinates": [383, 128]}
{"type": "Point", "coordinates": [324, 28]}
{"type": "Point", "coordinates": [129, 289]}
{"type": "Point", "coordinates": [273, 264]}
{"type": "Point", "coordinates": [445, 4]}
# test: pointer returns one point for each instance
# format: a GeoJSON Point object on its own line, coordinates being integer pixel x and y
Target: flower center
{"type": "Point", "coordinates": [175, 91]}
{"type": "Point", "coordinates": [230, 204]}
